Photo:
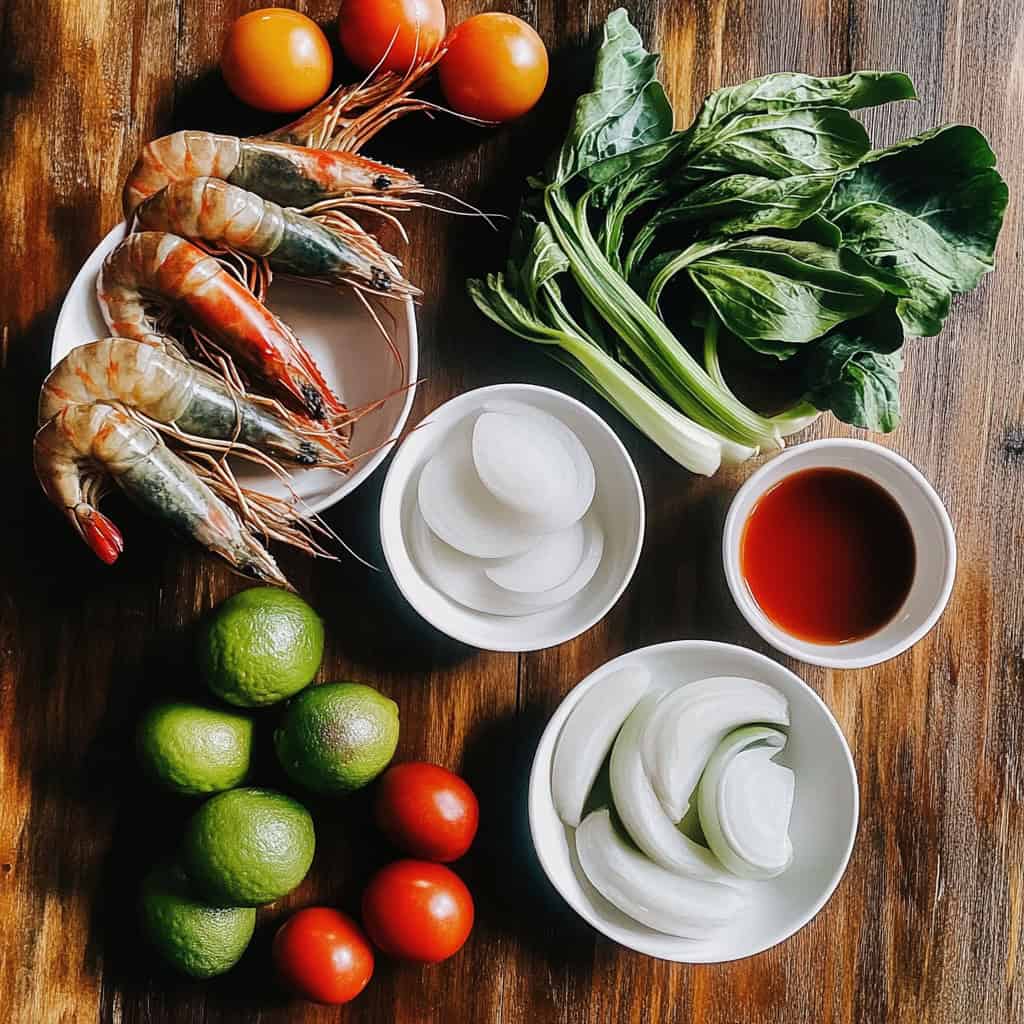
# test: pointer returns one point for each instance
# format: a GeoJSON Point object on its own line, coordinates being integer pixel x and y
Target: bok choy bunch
{"type": "Point", "coordinates": [769, 226]}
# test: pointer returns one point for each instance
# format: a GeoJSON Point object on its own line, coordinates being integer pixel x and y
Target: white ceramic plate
{"type": "Point", "coordinates": [823, 826]}
{"type": "Point", "coordinates": [618, 504]}
{"type": "Point", "coordinates": [345, 343]}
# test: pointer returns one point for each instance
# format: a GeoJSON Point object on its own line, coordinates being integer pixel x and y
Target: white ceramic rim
{"type": "Point", "coordinates": [393, 484]}
{"type": "Point", "coordinates": [830, 655]}
{"type": "Point", "coordinates": [540, 776]}
{"type": "Point", "coordinates": [366, 468]}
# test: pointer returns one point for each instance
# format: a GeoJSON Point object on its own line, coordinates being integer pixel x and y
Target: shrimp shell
{"type": "Point", "coordinates": [154, 267]}
{"type": "Point", "coordinates": [169, 391]}
{"type": "Point", "coordinates": [289, 175]}
{"type": "Point", "coordinates": [84, 448]}
{"type": "Point", "coordinates": [225, 215]}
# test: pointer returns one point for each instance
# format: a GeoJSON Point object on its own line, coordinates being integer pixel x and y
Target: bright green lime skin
{"type": "Point", "coordinates": [260, 646]}
{"type": "Point", "coordinates": [247, 847]}
{"type": "Point", "coordinates": [200, 940]}
{"type": "Point", "coordinates": [194, 750]}
{"type": "Point", "coordinates": [337, 737]}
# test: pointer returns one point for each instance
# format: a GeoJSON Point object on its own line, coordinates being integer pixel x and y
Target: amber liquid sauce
{"type": "Point", "coordinates": [828, 555]}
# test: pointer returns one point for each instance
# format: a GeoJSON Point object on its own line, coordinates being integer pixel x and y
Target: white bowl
{"type": "Point", "coordinates": [618, 502]}
{"type": "Point", "coordinates": [822, 828]}
{"type": "Point", "coordinates": [345, 343]}
{"type": "Point", "coordinates": [934, 542]}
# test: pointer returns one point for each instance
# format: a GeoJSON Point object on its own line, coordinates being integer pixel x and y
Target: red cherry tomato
{"type": "Point", "coordinates": [495, 67]}
{"type": "Point", "coordinates": [323, 955]}
{"type": "Point", "coordinates": [417, 910]}
{"type": "Point", "coordinates": [277, 60]}
{"type": "Point", "coordinates": [426, 811]}
{"type": "Point", "coordinates": [366, 29]}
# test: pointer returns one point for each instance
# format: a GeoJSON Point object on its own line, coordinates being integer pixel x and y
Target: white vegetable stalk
{"type": "Point", "coordinates": [692, 721]}
{"type": "Point", "coordinates": [669, 903]}
{"type": "Point", "coordinates": [745, 801]}
{"type": "Point", "coordinates": [640, 810]}
{"type": "Point", "coordinates": [587, 736]}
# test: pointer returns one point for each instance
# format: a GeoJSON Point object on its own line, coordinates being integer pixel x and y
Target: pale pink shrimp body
{"type": "Point", "coordinates": [81, 450]}
{"type": "Point", "coordinates": [153, 267]}
{"type": "Point", "coordinates": [182, 398]}
{"type": "Point", "coordinates": [225, 215]}
{"type": "Point", "coordinates": [295, 176]}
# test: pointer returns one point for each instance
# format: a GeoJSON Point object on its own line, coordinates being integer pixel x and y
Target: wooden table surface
{"type": "Point", "coordinates": [925, 927]}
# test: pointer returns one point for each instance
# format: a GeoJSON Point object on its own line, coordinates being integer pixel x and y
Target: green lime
{"type": "Point", "coordinates": [193, 750]}
{"type": "Point", "coordinates": [260, 646]}
{"type": "Point", "coordinates": [196, 938]}
{"type": "Point", "coordinates": [247, 847]}
{"type": "Point", "coordinates": [337, 737]}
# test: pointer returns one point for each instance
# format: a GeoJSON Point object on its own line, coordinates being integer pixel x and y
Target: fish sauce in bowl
{"type": "Point", "coordinates": [828, 555]}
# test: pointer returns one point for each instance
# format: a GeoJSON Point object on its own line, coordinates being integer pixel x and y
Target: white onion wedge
{"type": "Point", "coordinates": [462, 578]}
{"type": "Point", "coordinates": [461, 511]}
{"type": "Point", "coordinates": [548, 564]}
{"type": "Point", "coordinates": [532, 462]}
{"type": "Point", "coordinates": [587, 736]}
{"type": "Point", "coordinates": [745, 801]}
{"type": "Point", "coordinates": [667, 902]}
{"type": "Point", "coordinates": [641, 812]}
{"type": "Point", "coordinates": [692, 721]}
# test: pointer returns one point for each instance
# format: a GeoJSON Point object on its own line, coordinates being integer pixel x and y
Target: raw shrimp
{"type": "Point", "coordinates": [225, 215]}
{"type": "Point", "coordinates": [286, 174]}
{"type": "Point", "coordinates": [189, 402]}
{"type": "Point", "coordinates": [154, 267]}
{"type": "Point", "coordinates": [84, 448]}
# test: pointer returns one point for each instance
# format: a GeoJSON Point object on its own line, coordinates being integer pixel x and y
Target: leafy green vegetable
{"type": "Point", "coordinates": [776, 223]}
{"type": "Point", "coordinates": [927, 211]}
{"type": "Point", "coordinates": [774, 289]}
{"type": "Point", "coordinates": [854, 371]}
{"type": "Point", "coordinates": [627, 108]}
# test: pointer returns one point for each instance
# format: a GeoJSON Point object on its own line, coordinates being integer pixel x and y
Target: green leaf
{"type": "Point", "coordinates": [926, 212]}
{"type": "Point", "coordinates": [777, 290]}
{"type": "Point", "coordinates": [777, 145]}
{"type": "Point", "coordinates": [790, 90]}
{"type": "Point", "coordinates": [854, 371]}
{"type": "Point", "coordinates": [739, 204]}
{"type": "Point", "coordinates": [626, 109]}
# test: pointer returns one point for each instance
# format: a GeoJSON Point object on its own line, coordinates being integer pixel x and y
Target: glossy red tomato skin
{"type": "Point", "coordinates": [495, 67]}
{"type": "Point", "coordinates": [418, 910]}
{"type": "Point", "coordinates": [366, 28]}
{"type": "Point", "coordinates": [426, 811]}
{"type": "Point", "coordinates": [277, 60]}
{"type": "Point", "coordinates": [323, 955]}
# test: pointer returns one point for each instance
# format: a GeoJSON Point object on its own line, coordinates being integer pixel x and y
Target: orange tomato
{"type": "Point", "coordinates": [277, 60]}
{"type": "Point", "coordinates": [366, 29]}
{"type": "Point", "coordinates": [495, 67]}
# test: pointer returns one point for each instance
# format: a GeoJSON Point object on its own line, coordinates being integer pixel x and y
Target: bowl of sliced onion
{"type": "Point", "coordinates": [694, 801]}
{"type": "Point", "coordinates": [512, 518]}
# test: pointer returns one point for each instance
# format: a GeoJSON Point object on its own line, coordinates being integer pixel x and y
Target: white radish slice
{"type": "Point", "coordinates": [461, 511]}
{"type": "Point", "coordinates": [692, 721]}
{"type": "Point", "coordinates": [669, 903]}
{"type": "Point", "coordinates": [587, 736]}
{"type": "Point", "coordinates": [461, 577]}
{"type": "Point", "coordinates": [593, 552]}
{"type": "Point", "coordinates": [640, 810]}
{"type": "Point", "coordinates": [548, 564]}
{"type": "Point", "coordinates": [745, 801]}
{"type": "Point", "coordinates": [532, 462]}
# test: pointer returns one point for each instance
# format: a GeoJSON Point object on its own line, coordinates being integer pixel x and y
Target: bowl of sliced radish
{"type": "Point", "coordinates": [694, 801]}
{"type": "Point", "coordinates": [512, 518]}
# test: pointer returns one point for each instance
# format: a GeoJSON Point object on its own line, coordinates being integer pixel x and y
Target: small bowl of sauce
{"type": "Point", "coordinates": [839, 553]}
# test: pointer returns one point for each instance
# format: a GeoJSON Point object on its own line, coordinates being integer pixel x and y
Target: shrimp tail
{"type": "Point", "coordinates": [99, 532]}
